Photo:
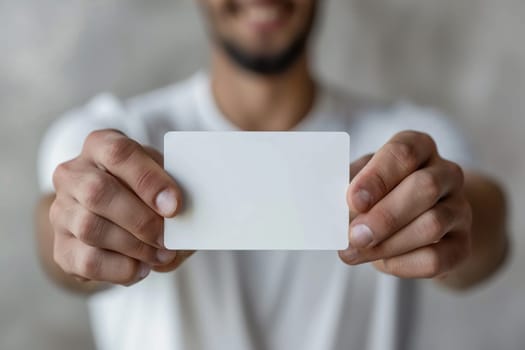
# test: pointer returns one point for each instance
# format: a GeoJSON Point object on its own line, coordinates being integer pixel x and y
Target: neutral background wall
{"type": "Point", "coordinates": [464, 56]}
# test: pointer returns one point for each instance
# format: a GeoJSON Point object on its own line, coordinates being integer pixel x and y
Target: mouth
{"type": "Point", "coordinates": [265, 16]}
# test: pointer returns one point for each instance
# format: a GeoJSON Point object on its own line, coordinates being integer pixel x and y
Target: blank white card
{"type": "Point", "coordinates": [259, 190]}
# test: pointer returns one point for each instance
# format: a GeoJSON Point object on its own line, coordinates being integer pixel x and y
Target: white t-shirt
{"type": "Point", "coordinates": [249, 299]}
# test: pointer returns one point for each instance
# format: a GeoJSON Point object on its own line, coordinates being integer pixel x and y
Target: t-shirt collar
{"type": "Point", "coordinates": [212, 119]}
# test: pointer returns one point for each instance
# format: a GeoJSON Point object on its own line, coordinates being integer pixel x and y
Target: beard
{"type": "Point", "coordinates": [264, 64]}
{"type": "Point", "coordinates": [268, 64]}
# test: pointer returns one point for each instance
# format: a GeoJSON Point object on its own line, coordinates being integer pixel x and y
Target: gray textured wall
{"type": "Point", "coordinates": [464, 56]}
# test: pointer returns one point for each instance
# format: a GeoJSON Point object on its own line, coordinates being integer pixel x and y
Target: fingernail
{"type": "Point", "coordinates": [351, 254]}
{"type": "Point", "coordinates": [363, 199]}
{"type": "Point", "coordinates": [361, 236]}
{"type": "Point", "coordinates": [166, 202]}
{"type": "Point", "coordinates": [165, 256]}
{"type": "Point", "coordinates": [144, 270]}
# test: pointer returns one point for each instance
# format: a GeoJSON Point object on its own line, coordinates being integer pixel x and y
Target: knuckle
{"type": "Point", "coordinates": [378, 182]}
{"type": "Point", "coordinates": [427, 140]}
{"type": "Point", "coordinates": [409, 134]}
{"type": "Point", "coordinates": [57, 259]}
{"type": "Point", "coordinates": [434, 226]}
{"type": "Point", "coordinates": [96, 189]}
{"type": "Point", "coordinates": [386, 217]}
{"type": "Point", "coordinates": [147, 180]}
{"type": "Point", "coordinates": [60, 174]}
{"type": "Point", "coordinates": [118, 150]}
{"type": "Point", "coordinates": [58, 256]}
{"type": "Point", "coordinates": [62, 257]}
{"type": "Point", "coordinates": [422, 139]}
{"type": "Point", "coordinates": [54, 213]}
{"type": "Point", "coordinates": [90, 264]}
{"type": "Point", "coordinates": [62, 262]}
{"type": "Point", "coordinates": [428, 183]}
{"type": "Point", "coordinates": [95, 136]}
{"type": "Point", "coordinates": [404, 153]}
{"type": "Point", "coordinates": [89, 228]}
{"type": "Point", "coordinates": [94, 139]}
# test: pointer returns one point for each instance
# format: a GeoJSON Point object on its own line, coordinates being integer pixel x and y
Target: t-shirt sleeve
{"type": "Point", "coordinates": [64, 139]}
{"type": "Point", "coordinates": [451, 141]}
{"type": "Point", "coordinates": [377, 126]}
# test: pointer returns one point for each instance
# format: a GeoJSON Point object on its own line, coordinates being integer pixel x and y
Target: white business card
{"type": "Point", "coordinates": [259, 190]}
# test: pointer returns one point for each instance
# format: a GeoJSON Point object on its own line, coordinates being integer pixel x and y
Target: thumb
{"type": "Point", "coordinates": [154, 154]}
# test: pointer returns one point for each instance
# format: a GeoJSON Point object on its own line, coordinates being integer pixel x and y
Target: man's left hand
{"type": "Point", "coordinates": [411, 217]}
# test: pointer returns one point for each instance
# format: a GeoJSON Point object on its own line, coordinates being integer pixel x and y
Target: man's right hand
{"type": "Point", "coordinates": [108, 212]}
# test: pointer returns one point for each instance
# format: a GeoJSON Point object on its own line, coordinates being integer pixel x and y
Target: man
{"type": "Point", "coordinates": [416, 212]}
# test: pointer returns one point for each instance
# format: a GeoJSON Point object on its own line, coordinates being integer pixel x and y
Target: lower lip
{"type": "Point", "coordinates": [270, 24]}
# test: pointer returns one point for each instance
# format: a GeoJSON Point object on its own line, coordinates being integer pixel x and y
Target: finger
{"type": "Point", "coordinates": [401, 156]}
{"type": "Point", "coordinates": [427, 229]}
{"type": "Point", "coordinates": [154, 154]}
{"type": "Point", "coordinates": [99, 232]}
{"type": "Point", "coordinates": [355, 168]}
{"type": "Point", "coordinates": [104, 195]}
{"type": "Point", "coordinates": [359, 164]}
{"type": "Point", "coordinates": [414, 195]}
{"type": "Point", "coordinates": [430, 261]}
{"type": "Point", "coordinates": [81, 260]}
{"type": "Point", "coordinates": [181, 256]}
{"type": "Point", "coordinates": [129, 162]}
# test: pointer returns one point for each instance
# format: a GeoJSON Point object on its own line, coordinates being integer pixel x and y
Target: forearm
{"type": "Point", "coordinates": [489, 234]}
{"type": "Point", "coordinates": [44, 237]}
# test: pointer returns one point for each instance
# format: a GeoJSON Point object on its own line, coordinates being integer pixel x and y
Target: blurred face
{"type": "Point", "coordinates": [263, 36]}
